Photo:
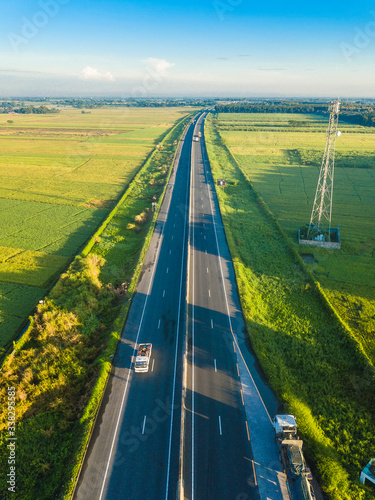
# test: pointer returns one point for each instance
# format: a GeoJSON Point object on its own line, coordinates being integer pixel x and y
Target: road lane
{"type": "Point", "coordinates": [256, 396]}
{"type": "Point", "coordinates": [217, 452]}
{"type": "Point", "coordinates": [137, 433]}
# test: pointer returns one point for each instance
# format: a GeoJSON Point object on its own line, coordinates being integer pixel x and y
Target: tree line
{"type": "Point", "coordinates": [351, 112]}
{"type": "Point", "coordinates": [27, 110]}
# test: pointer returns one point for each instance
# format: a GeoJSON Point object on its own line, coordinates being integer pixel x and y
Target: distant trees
{"type": "Point", "coordinates": [41, 110]}
{"type": "Point", "coordinates": [136, 102]}
{"type": "Point", "coordinates": [6, 107]}
{"type": "Point", "coordinates": [23, 109]}
{"type": "Point", "coordinates": [366, 119]}
{"type": "Point", "coordinates": [352, 112]}
{"type": "Point", "coordinates": [271, 107]}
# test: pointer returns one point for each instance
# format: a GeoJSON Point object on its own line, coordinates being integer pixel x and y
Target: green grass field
{"type": "Point", "coordinates": [284, 169]}
{"type": "Point", "coordinates": [60, 174]}
{"type": "Point", "coordinates": [313, 363]}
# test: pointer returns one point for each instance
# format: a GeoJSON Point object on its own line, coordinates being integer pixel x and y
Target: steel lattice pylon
{"type": "Point", "coordinates": [320, 222]}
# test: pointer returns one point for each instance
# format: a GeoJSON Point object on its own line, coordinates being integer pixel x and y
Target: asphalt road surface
{"type": "Point", "coordinates": [217, 458]}
{"type": "Point", "coordinates": [135, 448]}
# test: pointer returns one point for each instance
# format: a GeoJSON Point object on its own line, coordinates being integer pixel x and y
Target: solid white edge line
{"type": "Point", "coordinates": [177, 339]}
{"type": "Point", "coordinates": [134, 351]}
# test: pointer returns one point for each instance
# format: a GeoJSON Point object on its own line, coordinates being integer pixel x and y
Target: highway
{"type": "Point", "coordinates": [136, 440]}
{"type": "Point", "coordinates": [188, 428]}
{"type": "Point", "coordinates": [217, 458]}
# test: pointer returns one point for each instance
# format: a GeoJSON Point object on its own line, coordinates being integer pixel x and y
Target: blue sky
{"type": "Point", "coordinates": [197, 48]}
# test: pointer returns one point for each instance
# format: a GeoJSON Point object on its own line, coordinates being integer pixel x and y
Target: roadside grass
{"type": "Point", "coordinates": [311, 360]}
{"type": "Point", "coordinates": [133, 217]}
{"type": "Point", "coordinates": [60, 366]}
{"type": "Point", "coordinates": [59, 177]}
{"type": "Point", "coordinates": [50, 372]}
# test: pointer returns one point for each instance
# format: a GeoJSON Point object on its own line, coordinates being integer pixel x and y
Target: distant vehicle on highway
{"type": "Point", "coordinates": [142, 360]}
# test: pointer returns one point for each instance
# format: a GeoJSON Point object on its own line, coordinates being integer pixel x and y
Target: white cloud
{"type": "Point", "coordinates": [93, 74]}
{"type": "Point", "coordinates": [158, 65]}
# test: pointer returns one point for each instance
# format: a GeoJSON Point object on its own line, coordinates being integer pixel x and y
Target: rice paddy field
{"type": "Point", "coordinates": [60, 174]}
{"type": "Point", "coordinates": [281, 154]}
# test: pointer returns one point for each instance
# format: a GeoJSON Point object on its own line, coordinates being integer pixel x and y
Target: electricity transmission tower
{"type": "Point", "coordinates": [320, 222]}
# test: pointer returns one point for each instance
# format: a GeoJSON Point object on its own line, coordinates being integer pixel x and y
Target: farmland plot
{"type": "Point", "coordinates": [60, 175]}
{"type": "Point", "coordinates": [284, 168]}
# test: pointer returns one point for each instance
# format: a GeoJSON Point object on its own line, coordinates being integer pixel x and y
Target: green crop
{"type": "Point", "coordinates": [60, 177]}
